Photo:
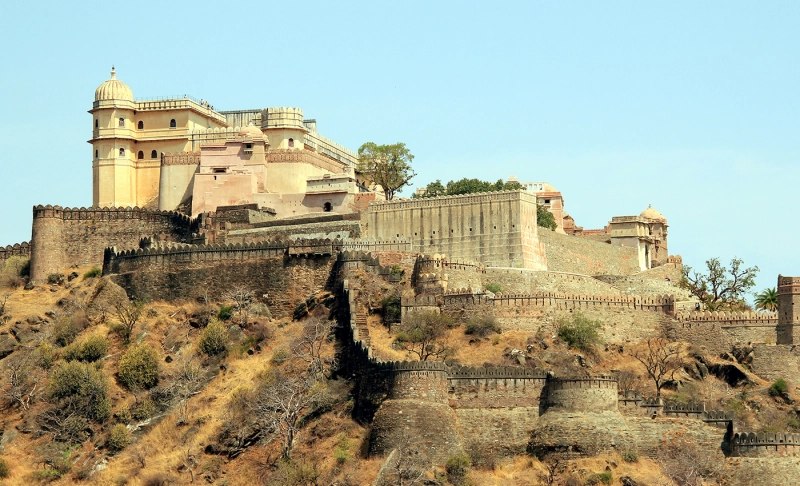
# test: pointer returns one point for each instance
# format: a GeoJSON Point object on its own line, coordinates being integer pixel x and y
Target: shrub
{"type": "Point", "coordinates": [119, 438]}
{"type": "Point", "coordinates": [457, 468]}
{"type": "Point", "coordinates": [280, 355]}
{"type": "Point", "coordinates": [581, 332]}
{"type": "Point", "coordinates": [493, 287]}
{"type": "Point", "coordinates": [89, 350]}
{"type": "Point", "coordinates": [14, 271]}
{"type": "Point", "coordinates": [630, 456]}
{"type": "Point", "coordinates": [94, 272]}
{"type": "Point", "coordinates": [214, 338]}
{"type": "Point", "coordinates": [396, 270]}
{"type": "Point", "coordinates": [482, 326]}
{"type": "Point", "coordinates": [66, 330]}
{"type": "Point", "coordinates": [55, 278]}
{"type": "Point", "coordinates": [342, 450]}
{"type": "Point", "coordinates": [4, 469]}
{"type": "Point", "coordinates": [391, 309]}
{"type": "Point", "coordinates": [225, 312]}
{"type": "Point", "coordinates": [84, 386]}
{"type": "Point", "coordinates": [778, 388]}
{"type": "Point", "coordinates": [47, 356]}
{"type": "Point", "coordinates": [138, 368]}
{"type": "Point", "coordinates": [145, 410]}
{"type": "Point", "coordinates": [604, 477]}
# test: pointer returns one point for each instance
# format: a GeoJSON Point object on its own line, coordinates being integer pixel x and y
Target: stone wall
{"type": "Point", "coordinates": [651, 435]}
{"type": "Point", "coordinates": [496, 229]}
{"type": "Point", "coordinates": [567, 253]}
{"type": "Point", "coordinates": [778, 361]}
{"type": "Point", "coordinates": [63, 237]}
{"type": "Point", "coordinates": [750, 444]}
{"type": "Point", "coordinates": [521, 281]}
{"type": "Point", "coordinates": [718, 332]}
{"type": "Point", "coordinates": [295, 228]}
{"type": "Point", "coordinates": [17, 249]}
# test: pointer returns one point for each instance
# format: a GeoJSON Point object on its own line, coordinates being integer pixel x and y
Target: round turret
{"type": "Point", "coordinates": [652, 214]}
{"type": "Point", "coordinates": [251, 131]}
{"type": "Point", "coordinates": [113, 89]}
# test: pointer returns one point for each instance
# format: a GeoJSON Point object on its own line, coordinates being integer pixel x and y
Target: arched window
{"type": "Point", "coordinates": [172, 123]}
{"type": "Point", "coordinates": [121, 122]}
{"type": "Point", "coordinates": [140, 155]}
{"type": "Point", "coordinates": [122, 152]}
{"type": "Point", "coordinates": [141, 125]}
{"type": "Point", "coordinates": [291, 142]}
{"type": "Point", "coordinates": [96, 123]}
{"type": "Point", "coordinates": [153, 154]}
{"type": "Point", "coordinates": [327, 207]}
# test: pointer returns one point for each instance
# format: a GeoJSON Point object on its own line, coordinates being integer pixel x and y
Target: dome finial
{"type": "Point", "coordinates": [113, 72]}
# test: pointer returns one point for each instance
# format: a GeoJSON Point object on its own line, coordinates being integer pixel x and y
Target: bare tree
{"type": "Point", "coordinates": [282, 400]}
{"type": "Point", "coordinates": [22, 379]}
{"type": "Point", "coordinates": [308, 347]}
{"type": "Point", "coordinates": [242, 299]}
{"type": "Point", "coordinates": [551, 471]}
{"type": "Point", "coordinates": [128, 314]}
{"type": "Point", "coordinates": [684, 463]}
{"type": "Point", "coordinates": [422, 334]}
{"type": "Point", "coordinates": [3, 301]}
{"type": "Point", "coordinates": [187, 384]}
{"type": "Point", "coordinates": [660, 359]}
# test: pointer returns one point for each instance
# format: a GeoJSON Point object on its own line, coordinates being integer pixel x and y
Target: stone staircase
{"type": "Point", "coordinates": [363, 330]}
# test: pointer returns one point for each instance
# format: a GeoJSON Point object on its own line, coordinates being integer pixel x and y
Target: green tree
{"type": "Point", "coordinates": [138, 368]}
{"type": "Point", "coordinates": [386, 165]}
{"type": "Point", "coordinates": [579, 332]}
{"type": "Point", "coordinates": [720, 288]}
{"type": "Point", "coordinates": [767, 300]}
{"type": "Point", "coordinates": [545, 218]}
{"type": "Point", "coordinates": [422, 335]}
{"type": "Point", "coordinates": [214, 338]}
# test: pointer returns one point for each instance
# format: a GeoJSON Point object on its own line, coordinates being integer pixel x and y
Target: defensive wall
{"type": "Point", "coordinates": [344, 226]}
{"type": "Point", "coordinates": [17, 249]}
{"type": "Point", "coordinates": [496, 229]}
{"type": "Point", "coordinates": [749, 444]}
{"type": "Point", "coordinates": [65, 237]}
{"type": "Point", "coordinates": [718, 332]}
{"type": "Point", "coordinates": [572, 254]}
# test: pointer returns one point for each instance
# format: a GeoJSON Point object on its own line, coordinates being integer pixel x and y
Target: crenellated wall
{"type": "Point", "coordinates": [17, 249]}
{"type": "Point", "coordinates": [749, 444]}
{"type": "Point", "coordinates": [720, 331]}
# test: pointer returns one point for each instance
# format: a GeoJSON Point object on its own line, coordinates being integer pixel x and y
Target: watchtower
{"type": "Point", "coordinates": [788, 309]}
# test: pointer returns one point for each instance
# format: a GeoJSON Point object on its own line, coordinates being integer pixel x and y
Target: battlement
{"type": "Point", "coordinates": [410, 366]}
{"type": "Point", "coordinates": [108, 214]}
{"type": "Point", "coordinates": [282, 117]}
{"type": "Point", "coordinates": [762, 444]}
{"type": "Point", "coordinates": [275, 156]}
{"type": "Point", "coordinates": [788, 284]}
{"type": "Point", "coordinates": [17, 249]}
{"type": "Point", "coordinates": [733, 318]}
{"type": "Point", "coordinates": [429, 263]}
{"type": "Point", "coordinates": [498, 372]}
{"type": "Point", "coordinates": [466, 297]}
{"type": "Point", "coordinates": [459, 200]}
{"type": "Point", "coordinates": [419, 301]}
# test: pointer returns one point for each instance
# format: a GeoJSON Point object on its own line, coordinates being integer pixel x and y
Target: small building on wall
{"type": "Point", "coordinates": [646, 232]}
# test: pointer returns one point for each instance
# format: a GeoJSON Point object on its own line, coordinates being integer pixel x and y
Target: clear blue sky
{"type": "Point", "coordinates": [692, 107]}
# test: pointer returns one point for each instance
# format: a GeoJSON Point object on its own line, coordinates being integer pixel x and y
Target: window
{"type": "Point", "coordinates": [327, 207]}
{"type": "Point", "coordinates": [96, 123]}
{"type": "Point", "coordinates": [122, 122]}
{"type": "Point", "coordinates": [172, 123]}
{"type": "Point", "coordinates": [96, 154]}
{"type": "Point", "coordinates": [141, 125]}
{"type": "Point", "coordinates": [547, 201]}
{"type": "Point", "coordinates": [140, 155]}
{"type": "Point", "coordinates": [219, 170]}
{"type": "Point", "coordinates": [153, 154]}
{"type": "Point", "coordinates": [291, 142]}
{"type": "Point", "coordinates": [122, 152]}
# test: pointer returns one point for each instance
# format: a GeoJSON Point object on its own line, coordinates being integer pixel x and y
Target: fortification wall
{"type": "Point", "coordinates": [292, 229]}
{"type": "Point", "coordinates": [497, 229]}
{"type": "Point", "coordinates": [415, 380]}
{"type": "Point", "coordinates": [522, 281]}
{"type": "Point", "coordinates": [279, 281]}
{"type": "Point", "coordinates": [17, 249]}
{"type": "Point", "coordinates": [502, 430]}
{"type": "Point", "coordinates": [653, 434]}
{"type": "Point", "coordinates": [567, 253]}
{"type": "Point", "coordinates": [63, 237]}
{"type": "Point", "coordinates": [747, 471]}
{"type": "Point", "coordinates": [778, 361]}
{"type": "Point", "coordinates": [718, 332]}
{"type": "Point", "coordinates": [503, 387]}
{"type": "Point", "coordinates": [750, 444]}
{"type": "Point", "coordinates": [582, 394]}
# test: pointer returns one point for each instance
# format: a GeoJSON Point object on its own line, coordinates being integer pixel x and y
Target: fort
{"type": "Point", "coordinates": [189, 202]}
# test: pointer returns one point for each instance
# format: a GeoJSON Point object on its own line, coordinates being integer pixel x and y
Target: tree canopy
{"type": "Point", "coordinates": [386, 165]}
{"type": "Point", "coordinates": [720, 288]}
{"type": "Point", "coordinates": [767, 300]}
{"type": "Point", "coordinates": [466, 186]}
{"type": "Point", "coordinates": [545, 218]}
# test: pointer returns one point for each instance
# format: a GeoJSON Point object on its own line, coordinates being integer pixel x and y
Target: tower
{"type": "Point", "coordinates": [788, 309]}
{"type": "Point", "coordinates": [113, 137]}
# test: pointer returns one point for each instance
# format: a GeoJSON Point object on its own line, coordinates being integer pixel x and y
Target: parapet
{"type": "Point", "coordinates": [594, 394]}
{"type": "Point", "coordinates": [452, 200]}
{"type": "Point", "coordinates": [733, 318]}
{"type": "Point", "coordinates": [110, 214]}
{"type": "Point", "coordinates": [282, 117]}
{"type": "Point", "coordinates": [180, 158]}
{"type": "Point", "coordinates": [752, 444]}
{"type": "Point", "coordinates": [17, 249]}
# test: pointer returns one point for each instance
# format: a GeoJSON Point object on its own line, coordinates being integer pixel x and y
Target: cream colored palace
{"type": "Point", "coordinates": [181, 153]}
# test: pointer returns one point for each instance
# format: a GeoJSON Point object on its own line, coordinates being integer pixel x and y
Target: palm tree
{"type": "Point", "coordinates": [767, 300]}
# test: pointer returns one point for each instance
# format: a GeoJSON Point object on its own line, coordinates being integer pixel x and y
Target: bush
{"type": "Point", "coordinates": [225, 312]}
{"type": "Point", "coordinates": [14, 271]}
{"type": "Point", "coordinates": [493, 287]}
{"type": "Point", "coordinates": [580, 333]}
{"type": "Point", "coordinates": [603, 477]}
{"type": "Point", "coordinates": [280, 355]}
{"type": "Point", "coordinates": [482, 326]}
{"type": "Point", "coordinates": [47, 356]}
{"type": "Point", "coordinates": [4, 469]}
{"type": "Point", "coordinates": [119, 438]}
{"type": "Point", "coordinates": [630, 456]}
{"type": "Point", "coordinates": [55, 278]}
{"type": "Point", "coordinates": [138, 368]}
{"type": "Point", "coordinates": [342, 450]}
{"type": "Point", "coordinates": [457, 468]}
{"type": "Point", "coordinates": [145, 410]}
{"type": "Point", "coordinates": [214, 338]}
{"type": "Point", "coordinates": [94, 272]}
{"type": "Point", "coordinates": [84, 386]}
{"type": "Point", "coordinates": [89, 350]}
{"type": "Point", "coordinates": [391, 309]}
{"type": "Point", "coordinates": [779, 388]}
{"type": "Point", "coordinates": [66, 330]}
